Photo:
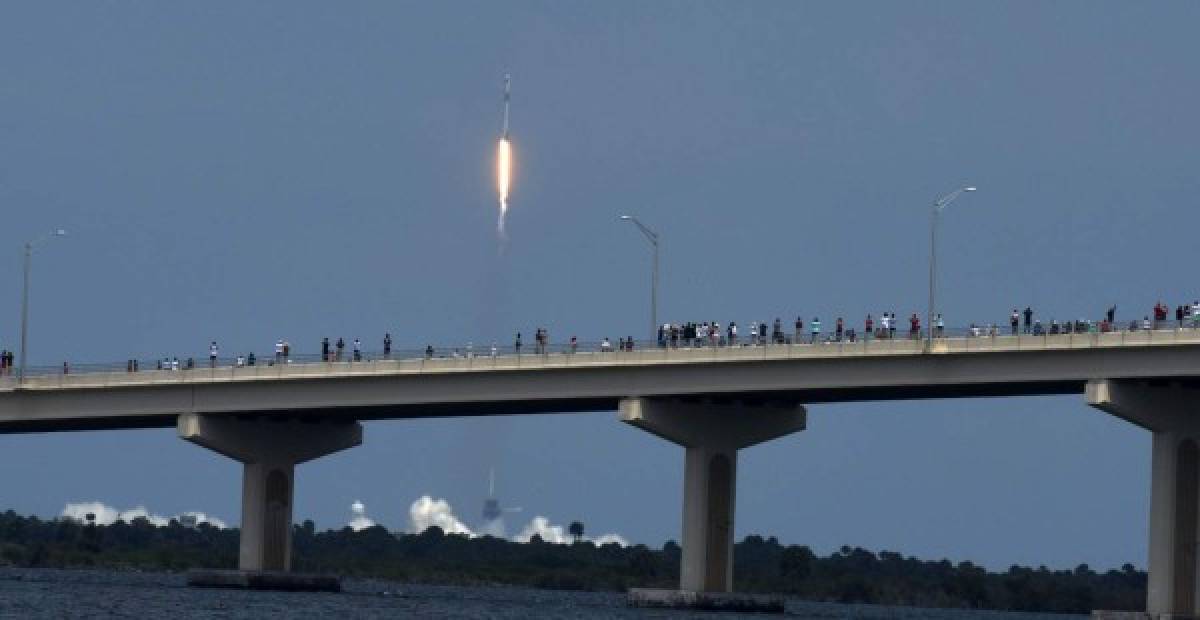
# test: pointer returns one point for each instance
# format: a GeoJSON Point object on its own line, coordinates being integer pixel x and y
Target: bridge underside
{"type": "Point", "coordinates": [551, 406]}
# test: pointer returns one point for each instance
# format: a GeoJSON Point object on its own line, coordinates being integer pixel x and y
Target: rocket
{"type": "Point", "coordinates": [507, 97]}
{"type": "Point", "coordinates": [504, 160]}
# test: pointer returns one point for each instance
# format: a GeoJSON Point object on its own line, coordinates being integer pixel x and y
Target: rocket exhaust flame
{"type": "Point", "coordinates": [503, 178]}
{"type": "Point", "coordinates": [504, 161]}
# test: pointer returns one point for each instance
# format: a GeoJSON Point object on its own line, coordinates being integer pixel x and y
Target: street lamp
{"type": "Point", "coordinates": [25, 298]}
{"type": "Point", "coordinates": [939, 205]}
{"type": "Point", "coordinates": [652, 237]}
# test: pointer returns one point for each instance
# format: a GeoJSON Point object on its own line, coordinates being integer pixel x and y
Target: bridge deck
{"type": "Point", "coordinates": [594, 381]}
{"type": "Point", "coordinates": [264, 371]}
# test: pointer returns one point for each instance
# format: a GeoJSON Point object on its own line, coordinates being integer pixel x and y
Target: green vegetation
{"type": "Point", "coordinates": [761, 565]}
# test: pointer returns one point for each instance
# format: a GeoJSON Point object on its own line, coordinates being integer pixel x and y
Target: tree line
{"type": "Point", "coordinates": [849, 575]}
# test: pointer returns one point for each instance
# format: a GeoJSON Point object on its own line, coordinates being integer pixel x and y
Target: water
{"type": "Point", "coordinates": [50, 593]}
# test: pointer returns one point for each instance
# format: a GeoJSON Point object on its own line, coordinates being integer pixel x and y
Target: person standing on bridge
{"type": "Point", "coordinates": [341, 347]}
{"type": "Point", "coordinates": [941, 325]}
{"type": "Point", "coordinates": [325, 349]}
{"type": "Point", "coordinates": [839, 328]}
{"type": "Point", "coordinates": [357, 350]}
{"type": "Point", "coordinates": [1013, 320]}
{"type": "Point", "coordinates": [517, 344]}
{"type": "Point", "coordinates": [279, 350]}
{"type": "Point", "coordinates": [816, 329]}
{"type": "Point", "coordinates": [212, 354]}
{"type": "Point", "coordinates": [799, 337]}
{"type": "Point", "coordinates": [868, 325]}
{"type": "Point", "coordinates": [1028, 319]}
{"type": "Point", "coordinates": [1111, 314]}
{"type": "Point", "coordinates": [387, 345]}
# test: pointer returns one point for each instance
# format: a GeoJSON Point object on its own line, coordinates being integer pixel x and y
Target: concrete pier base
{"type": "Point", "coordinates": [705, 601]}
{"type": "Point", "coordinates": [269, 451]}
{"type": "Point", "coordinates": [711, 435]}
{"type": "Point", "coordinates": [264, 580]}
{"type": "Point", "coordinates": [1169, 412]}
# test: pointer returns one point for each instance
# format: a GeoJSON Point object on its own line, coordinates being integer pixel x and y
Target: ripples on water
{"type": "Point", "coordinates": [49, 593]}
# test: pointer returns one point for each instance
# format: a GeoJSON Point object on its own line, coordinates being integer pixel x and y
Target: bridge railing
{"type": "Point", "coordinates": [604, 352]}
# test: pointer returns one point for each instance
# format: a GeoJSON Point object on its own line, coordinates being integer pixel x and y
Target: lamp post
{"type": "Point", "coordinates": [939, 205]}
{"type": "Point", "coordinates": [652, 237]}
{"type": "Point", "coordinates": [25, 299]}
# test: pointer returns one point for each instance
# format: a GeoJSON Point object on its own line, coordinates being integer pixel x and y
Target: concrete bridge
{"type": "Point", "coordinates": [712, 401]}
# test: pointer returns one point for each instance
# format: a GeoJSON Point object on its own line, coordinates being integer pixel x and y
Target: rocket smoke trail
{"type": "Point", "coordinates": [504, 161]}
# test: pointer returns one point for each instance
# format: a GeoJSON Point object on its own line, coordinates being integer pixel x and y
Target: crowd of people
{"type": "Point", "coordinates": [690, 334]}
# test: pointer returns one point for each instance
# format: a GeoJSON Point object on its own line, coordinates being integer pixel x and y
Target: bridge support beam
{"type": "Point", "coordinates": [1172, 414]}
{"type": "Point", "coordinates": [269, 451]}
{"type": "Point", "coordinates": [711, 435]}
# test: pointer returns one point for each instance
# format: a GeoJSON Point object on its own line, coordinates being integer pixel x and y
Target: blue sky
{"type": "Point", "coordinates": [247, 172]}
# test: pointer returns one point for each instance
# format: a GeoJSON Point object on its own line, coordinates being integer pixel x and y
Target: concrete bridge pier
{"type": "Point", "coordinates": [1172, 414]}
{"type": "Point", "coordinates": [711, 435]}
{"type": "Point", "coordinates": [269, 451]}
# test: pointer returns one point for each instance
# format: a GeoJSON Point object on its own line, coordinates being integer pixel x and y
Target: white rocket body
{"type": "Point", "coordinates": [507, 96]}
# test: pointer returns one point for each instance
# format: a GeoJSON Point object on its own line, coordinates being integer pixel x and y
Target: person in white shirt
{"type": "Point", "coordinates": [212, 354]}
{"type": "Point", "coordinates": [278, 350]}
{"type": "Point", "coordinates": [605, 346]}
